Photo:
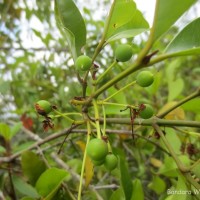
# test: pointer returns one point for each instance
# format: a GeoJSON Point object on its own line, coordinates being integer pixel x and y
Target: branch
{"type": "Point", "coordinates": [38, 143]}
{"type": "Point", "coordinates": [183, 169]}
{"type": "Point", "coordinates": [64, 132]}
{"type": "Point", "coordinates": [149, 122]}
{"type": "Point", "coordinates": [186, 99]}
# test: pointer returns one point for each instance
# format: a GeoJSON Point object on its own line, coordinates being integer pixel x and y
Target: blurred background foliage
{"type": "Point", "coordinates": [35, 63]}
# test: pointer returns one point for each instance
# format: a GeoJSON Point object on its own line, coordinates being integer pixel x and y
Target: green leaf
{"type": "Point", "coordinates": [27, 198]}
{"type": "Point", "coordinates": [168, 12]}
{"type": "Point", "coordinates": [126, 21]}
{"type": "Point", "coordinates": [5, 131]}
{"type": "Point", "coordinates": [137, 192]}
{"type": "Point", "coordinates": [126, 180]}
{"type": "Point", "coordinates": [181, 186]}
{"type": "Point", "coordinates": [187, 42]}
{"type": "Point", "coordinates": [175, 88]}
{"type": "Point", "coordinates": [169, 168]}
{"type": "Point", "coordinates": [119, 98]}
{"type": "Point", "coordinates": [174, 140]}
{"type": "Point", "coordinates": [24, 188]}
{"type": "Point", "coordinates": [50, 181]}
{"type": "Point", "coordinates": [16, 128]}
{"type": "Point", "coordinates": [117, 195]}
{"type": "Point", "coordinates": [175, 84]}
{"type": "Point", "coordinates": [32, 166]}
{"type": "Point", "coordinates": [157, 185]}
{"type": "Point", "coordinates": [196, 170]}
{"type": "Point", "coordinates": [192, 105]}
{"type": "Point", "coordinates": [2, 150]}
{"type": "Point", "coordinates": [71, 25]}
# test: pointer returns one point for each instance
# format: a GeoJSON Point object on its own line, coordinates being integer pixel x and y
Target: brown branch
{"type": "Point", "coordinates": [150, 122]}
{"type": "Point", "coordinates": [38, 143]}
{"type": "Point", "coordinates": [73, 130]}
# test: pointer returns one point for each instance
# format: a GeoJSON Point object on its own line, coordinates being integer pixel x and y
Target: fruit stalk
{"type": "Point", "coordinates": [84, 160]}
{"type": "Point", "coordinates": [96, 111]}
{"type": "Point", "coordinates": [122, 89]}
{"type": "Point", "coordinates": [180, 165]}
{"type": "Point", "coordinates": [105, 72]}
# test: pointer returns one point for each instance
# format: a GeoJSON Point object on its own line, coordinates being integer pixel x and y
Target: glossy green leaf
{"type": "Point", "coordinates": [50, 181]}
{"type": "Point", "coordinates": [24, 188]}
{"type": "Point", "coordinates": [137, 192]}
{"type": "Point", "coordinates": [158, 185]}
{"type": "Point", "coordinates": [117, 195]}
{"type": "Point", "coordinates": [5, 131]}
{"type": "Point", "coordinates": [32, 166]}
{"type": "Point", "coordinates": [71, 25]}
{"type": "Point", "coordinates": [126, 21]}
{"type": "Point", "coordinates": [126, 180]}
{"type": "Point", "coordinates": [187, 42]}
{"type": "Point", "coordinates": [168, 12]}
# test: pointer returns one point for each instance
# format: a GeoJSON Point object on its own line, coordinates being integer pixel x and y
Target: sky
{"type": "Point", "coordinates": [147, 7]}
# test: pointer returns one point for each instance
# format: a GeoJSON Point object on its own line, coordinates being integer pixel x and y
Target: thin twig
{"type": "Point", "coordinates": [186, 99]}
{"type": "Point", "coordinates": [67, 134]}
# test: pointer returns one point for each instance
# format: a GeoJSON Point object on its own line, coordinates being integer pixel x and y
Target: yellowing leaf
{"type": "Point", "coordinates": [89, 167]}
{"type": "Point", "coordinates": [177, 113]}
{"type": "Point", "coordinates": [89, 171]}
{"type": "Point", "coordinates": [81, 144]}
{"type": "Point", "coordinates": [124, 136]}
{"type": "Point", "coordinates": [155, 162]}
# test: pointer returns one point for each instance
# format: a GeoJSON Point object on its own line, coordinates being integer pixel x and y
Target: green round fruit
{"type": "Point", "coordinates": [111, 162]}
{"type": "Point", "coordinates": [43, 107]}
{"type": "Point", "coordinates": [98, 162]}
{"type": "Point", "coordinates": [145, 78]}
{"type": "Point", "coordinates": [147, 112]}
{"type": "Point", "coordinates": [83, 63]}
{"type": "Point", "coordinates": [97, 149]}
{"type": "Point", "coordinates": [123, 52]}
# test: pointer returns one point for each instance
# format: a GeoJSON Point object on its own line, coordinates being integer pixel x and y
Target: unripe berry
{"type": "Point", "coordinates": [97, 149]}
{"type": "Point", "coordinates": [123, 52]}
{"type": "Point", "coordinates": [145, 78]}
{"type": "Point", "coordinates": [98, 162]}
{"type": "Point", "coordinates": [146, 112]}
{"type": "Point", "coordinates": [110, 162]}
{"type": "Point", "coordinates": [83, 63]}
{"type": "Point", "coordinates": [43, 107]}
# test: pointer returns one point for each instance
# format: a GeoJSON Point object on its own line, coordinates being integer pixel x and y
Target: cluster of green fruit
{"type": "Point", "coordinates": [145, 79]}
{"type": "Point", "coordinates": [123, 53]}
{"type": "Point", "coordinates": [97, 150]}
